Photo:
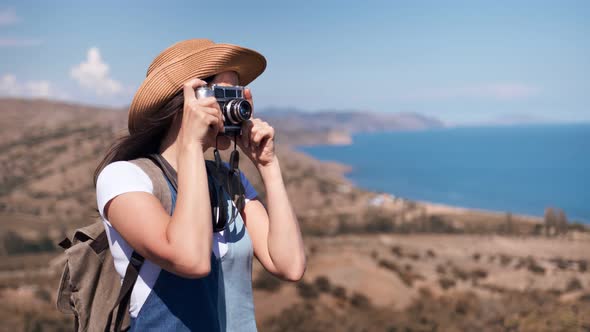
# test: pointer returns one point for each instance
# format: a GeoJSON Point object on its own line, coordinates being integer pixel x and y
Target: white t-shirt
{"type": "Point", "coordinates": [121, 177]}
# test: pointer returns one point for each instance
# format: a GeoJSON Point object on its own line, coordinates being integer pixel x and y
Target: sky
{"type": "Point", "coordinates": [464, 62]}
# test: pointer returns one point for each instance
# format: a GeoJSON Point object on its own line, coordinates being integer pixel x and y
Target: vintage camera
{"type": "Point", "coordinates": [235, 108]}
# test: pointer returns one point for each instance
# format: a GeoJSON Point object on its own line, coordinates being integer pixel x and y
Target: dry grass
{"type": "Point", "coordinates": [400, 266]}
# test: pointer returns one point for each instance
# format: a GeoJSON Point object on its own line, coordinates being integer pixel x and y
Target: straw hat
{"type": "Point", "coordinates": [185, 60]}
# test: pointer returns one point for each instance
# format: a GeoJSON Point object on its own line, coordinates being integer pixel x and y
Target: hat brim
{"type": "Point", "coordinates": [165, 81]}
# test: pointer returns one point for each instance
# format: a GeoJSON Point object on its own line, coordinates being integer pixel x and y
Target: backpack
{"type": "Point", "coordinates": [90, 288]}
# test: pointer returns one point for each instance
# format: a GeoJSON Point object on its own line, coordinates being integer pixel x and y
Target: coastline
{"type": "Point", "coordinates": [330, 138]}
{"type": "Point", "coordinates": [431, 208]}
{"type": "Point", "coordinates": [348, 138]}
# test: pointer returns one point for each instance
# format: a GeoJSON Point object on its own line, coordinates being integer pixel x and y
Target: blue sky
{"type": "Point", "coordinates": [463, 62]}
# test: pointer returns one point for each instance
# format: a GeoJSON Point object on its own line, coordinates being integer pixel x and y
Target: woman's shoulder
{"type": "Point", "coordinates": [117, 178]}
{"type": "Point", "coordinates": [121, 166]}
{"type": "Point", "coordinates": [123, 173]}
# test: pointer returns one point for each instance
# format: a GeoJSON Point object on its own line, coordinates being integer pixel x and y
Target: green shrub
{"type": "Point", "coordinates": [266, 281]}
{"type": "Point", "coordinates": [534, 267]}
{"type": "Point", "coordinates": [379, 224]}
{"type": "Point", "coordinates": [374, 254]}
{"type": "Point", "coordinates": [16, 244]}
{"type": "Point", "coordinates": [505, 259]}
{"type": "Point", "coordinates": [446, 283]}
{"type": "Point", "coordinates": [339, 292]}
{"type": "Point", "coordinates": [397, 250]}
{"type": "Point", "coordinates": [406, 276]}
{"type": "Point", "coordinates": [479, 274]}
{"type": "Point", "coordinates": [307, 290]}
{"type": "Point", "coordinates": [573, 285]}
{"type": "Point", "coordinates": [360, 300]}
{"type": "Point", "coordinates": [430, 253]}
{"type": "Point", "coordinates": [560, 263]}
{"type": "Point", "coordinates": [460, 273]}
{"type": "Point", "coordinates": [322, 284]}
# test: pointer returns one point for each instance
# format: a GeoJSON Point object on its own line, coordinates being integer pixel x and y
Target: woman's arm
{"type": "Point", "coordinates": [180, 243]}
{"type": "Point", "coordinates": [275, 234]}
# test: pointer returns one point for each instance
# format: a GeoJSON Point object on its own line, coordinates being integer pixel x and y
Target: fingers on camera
{"type": "Point", "coordinates": [260, 134]}
{"type": "Point", "coordinates": [189, 88]}
{"type": "Point", "coordinates": [246, 130]}
{"type": "Point", "coordinates": [208, 101]}
{"type": "Point", "coordinates": [248, 95]}
{"type": "Point", "coordinates": [212, 120]}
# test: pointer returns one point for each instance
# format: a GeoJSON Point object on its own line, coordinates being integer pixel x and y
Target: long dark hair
{"type": "Point", "coordinates": [145, 141]}
{"type": "Point", "coordinates": [149, 138]}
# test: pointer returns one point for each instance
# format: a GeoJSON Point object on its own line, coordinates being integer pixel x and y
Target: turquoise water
{"type": "Point", "coordinates": [522, 169]}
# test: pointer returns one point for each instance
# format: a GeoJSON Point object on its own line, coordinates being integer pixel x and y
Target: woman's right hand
{"type": "Point", "coordinates": [201, 118]}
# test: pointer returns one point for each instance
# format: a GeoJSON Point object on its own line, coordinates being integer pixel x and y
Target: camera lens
{"type": "Point", "coordinates": [244, 110]}
{"type": "Point", "coordinates": [238, 110]}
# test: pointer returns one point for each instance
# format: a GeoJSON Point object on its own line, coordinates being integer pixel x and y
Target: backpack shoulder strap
{"type": "Point", "coordinates": [122, 302]}
{"type": "Point", "coordinates": [160, 185]}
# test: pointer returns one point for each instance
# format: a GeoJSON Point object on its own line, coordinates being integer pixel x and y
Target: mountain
{"type": "Point", "coordinates": [299, 127]}
{"type": "Point", "coordinates": [351, 121]}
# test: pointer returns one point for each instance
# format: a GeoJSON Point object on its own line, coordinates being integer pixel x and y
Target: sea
{"type": "Point", "coordinates": [518, 169]}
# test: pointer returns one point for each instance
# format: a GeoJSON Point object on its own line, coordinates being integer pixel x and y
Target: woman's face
{"type": "Point", "coordinates": [227, 78]}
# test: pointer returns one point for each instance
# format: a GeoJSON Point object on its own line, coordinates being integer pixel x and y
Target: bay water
{"type": "Point", "coordinates": [520, 169]}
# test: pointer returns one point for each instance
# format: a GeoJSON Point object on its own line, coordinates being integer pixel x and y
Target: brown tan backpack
{"type": "Point", "coordinates": [90, 287]}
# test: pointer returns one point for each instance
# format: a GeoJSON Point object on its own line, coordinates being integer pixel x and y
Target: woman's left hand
{"type": "Point", "coordinates": [257, 139]}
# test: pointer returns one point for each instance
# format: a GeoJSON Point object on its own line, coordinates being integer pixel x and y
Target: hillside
{"type": "Point", "coordinates": [335, 127]}
{"type": "Point", "coordinates": [375, 262]}
{"type": "Point", "coordinates": [354, 122]}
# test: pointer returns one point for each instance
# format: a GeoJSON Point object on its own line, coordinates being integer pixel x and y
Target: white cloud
{"type": "Point", "coordinates": [10, 86]}
{"type": "Point", "coordinates": [8, 17]}
{"type": "Point", "coordinates": [93, 74]}
{"type": "Point", "coordinates": [499, 91]}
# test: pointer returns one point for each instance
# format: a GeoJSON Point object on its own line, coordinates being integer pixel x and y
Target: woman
{"type": "Point", "coordinates": [182, 286]}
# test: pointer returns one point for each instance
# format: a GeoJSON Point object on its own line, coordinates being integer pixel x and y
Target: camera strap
{"type": "Point", "coordinates": [217, 211]}
{"type": "Point", "coordinates": [230, 180]}
{"type": "Point", "coordinates": [220, 179]}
